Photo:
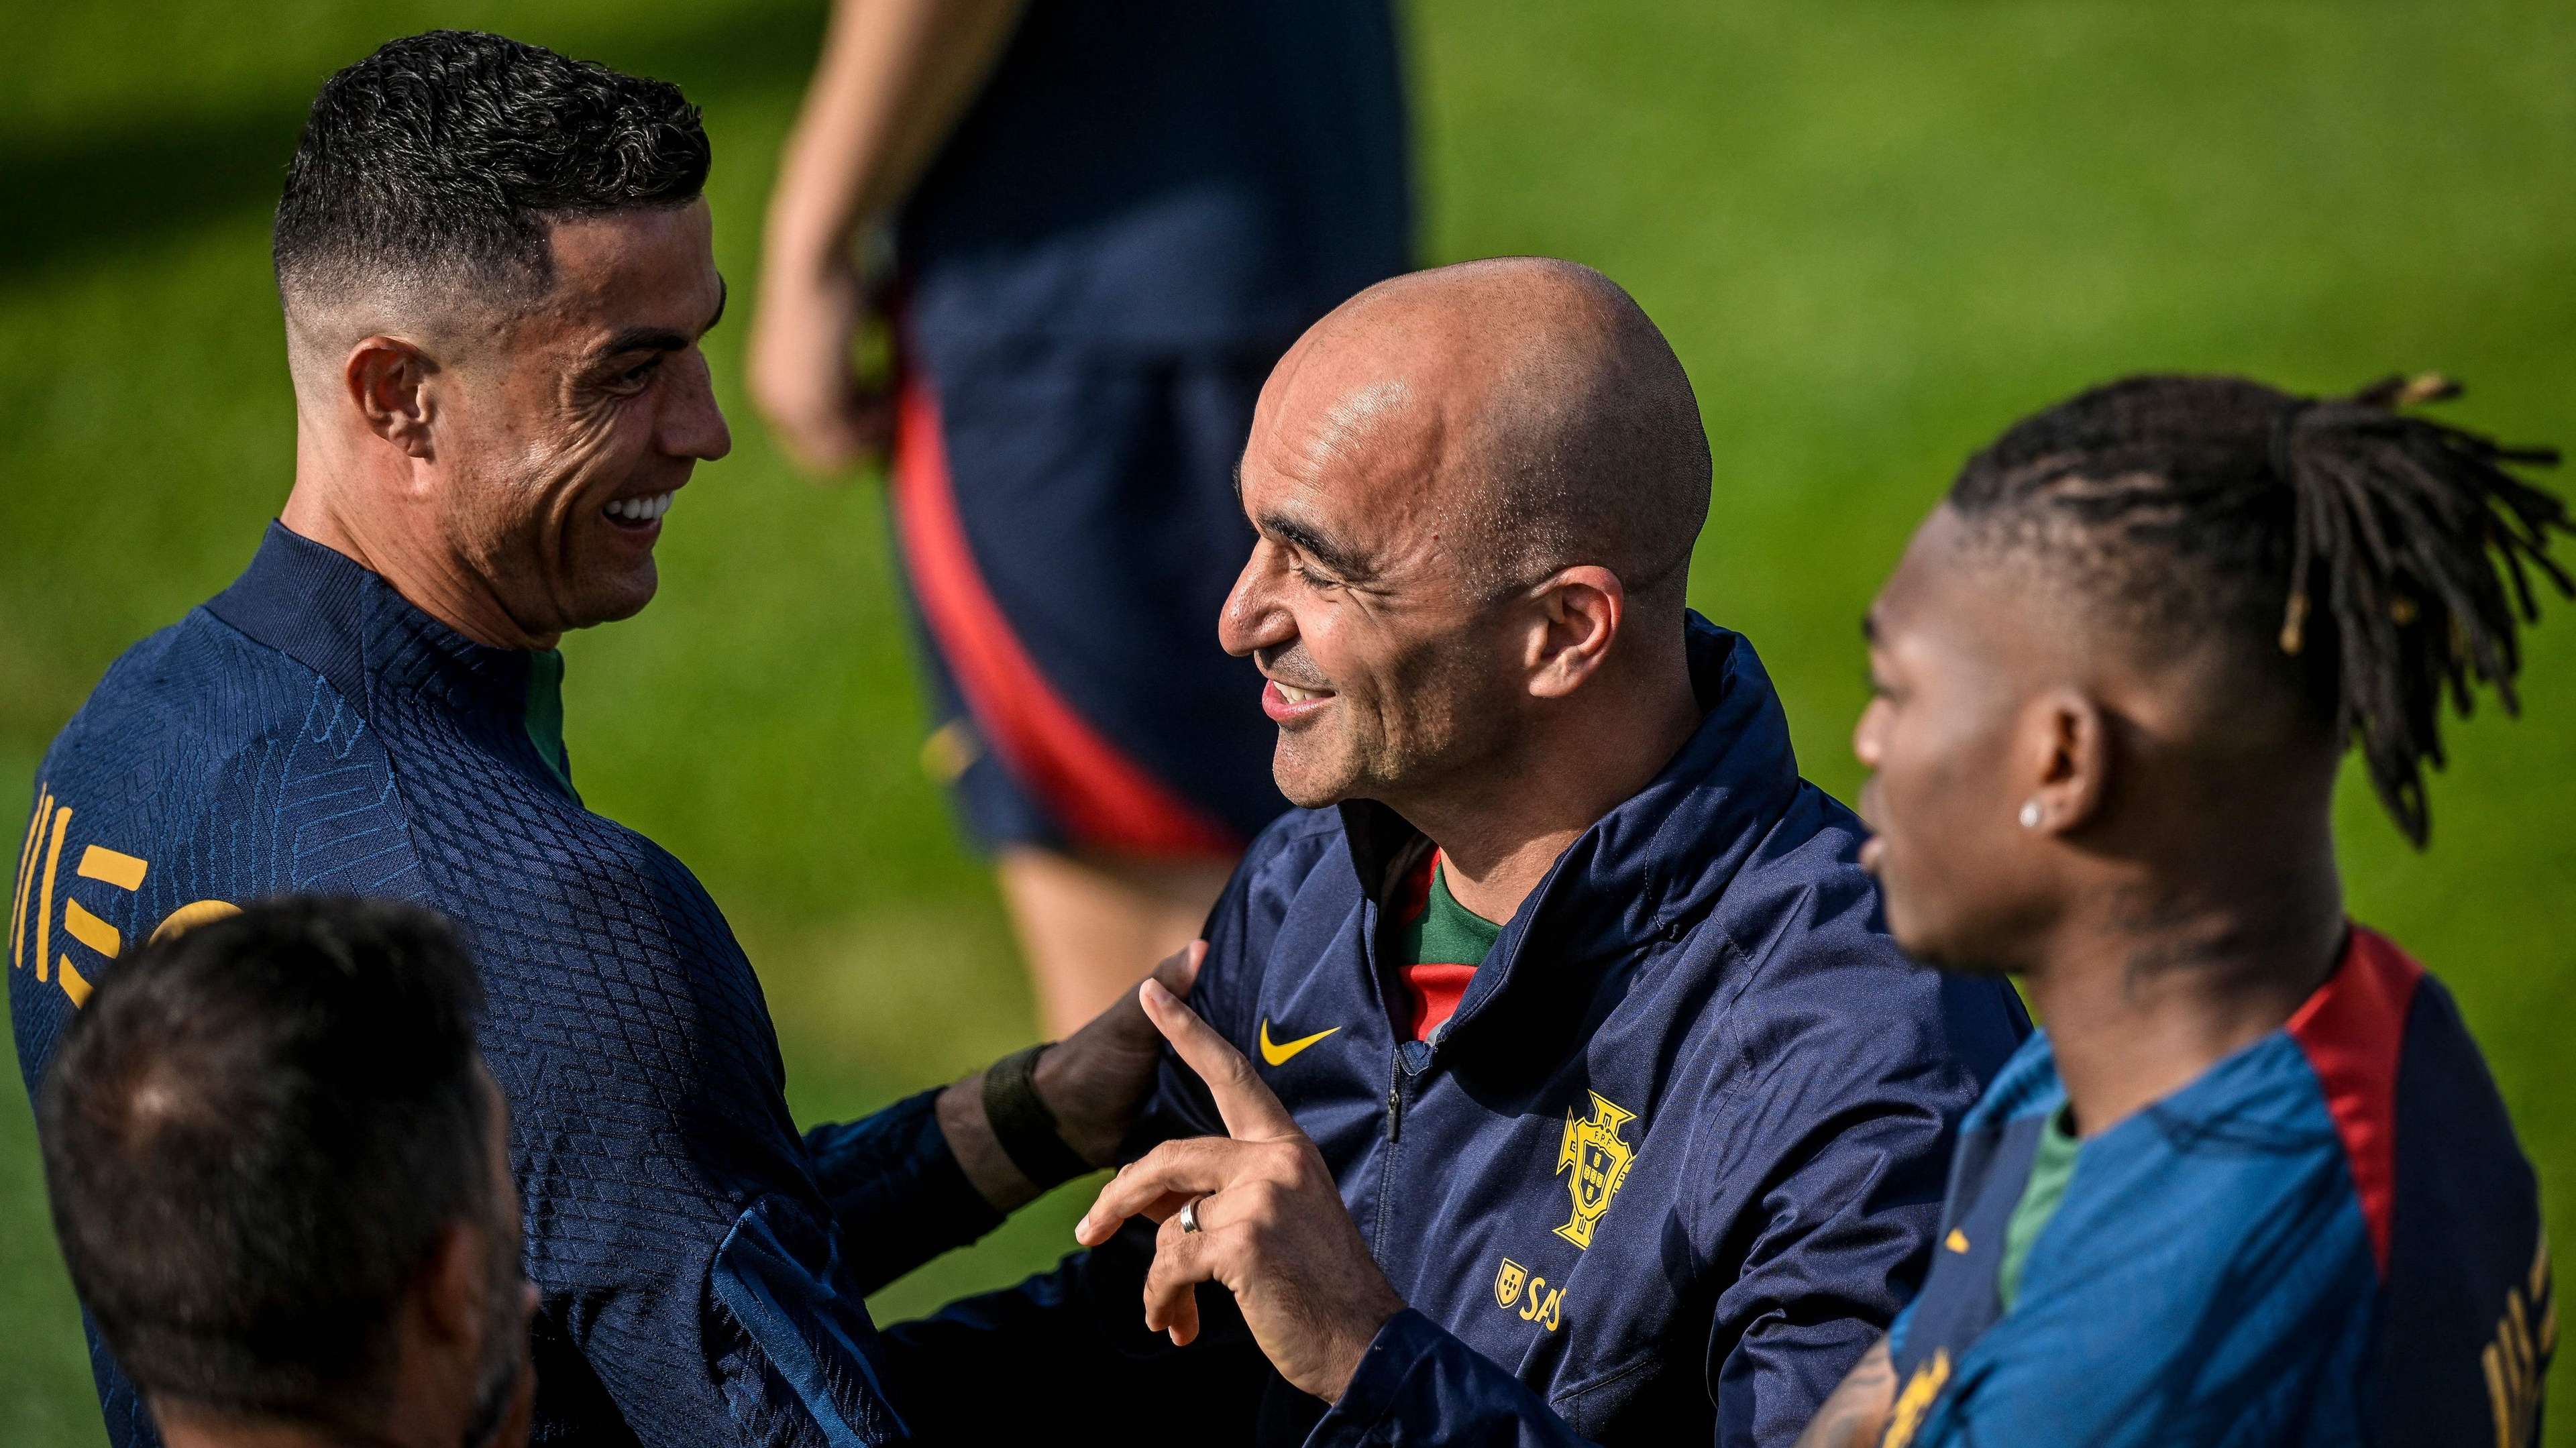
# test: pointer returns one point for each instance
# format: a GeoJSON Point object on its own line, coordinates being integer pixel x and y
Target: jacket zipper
{"type": "Point", "coordinates": [1395, 1095]}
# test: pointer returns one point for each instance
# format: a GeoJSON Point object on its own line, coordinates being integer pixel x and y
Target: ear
{"type": "Point", "coordinates": [454, 1284]}
{"type": "Point", "coordinates": [2067, 745]}
{"type": "Point", "coordinates": [1579, 613]}
{"type": "Point", "coordinates": [387, 379]}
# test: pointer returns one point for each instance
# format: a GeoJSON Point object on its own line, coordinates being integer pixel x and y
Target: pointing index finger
{"type": "Point", "coordinates": [1251, 1112]}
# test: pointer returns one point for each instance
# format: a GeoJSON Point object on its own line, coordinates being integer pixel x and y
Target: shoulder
{"type": "Point", "coordinates": [230, 767]}
{"type": "Point", "coordinates": [2239, 1175]}
{"type": "Point", "coordinates": [2223, 1216]}
{"type": "Point", "coordinates": [199, 678]}
{"type": "Point", "coordinates": [1824, 984]}
{"type": "Point", "coordinates": [1254, 916]}
{"type": "Point", "coordinates": [1283, 861]}
{"type": "Point", "coordinates": [203, 771]}
{"type": "Point", "coordinates": [1291, 846]}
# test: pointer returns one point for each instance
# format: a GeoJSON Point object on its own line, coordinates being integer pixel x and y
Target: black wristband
{"type": "Point", "coordinates": [1022, 1123]}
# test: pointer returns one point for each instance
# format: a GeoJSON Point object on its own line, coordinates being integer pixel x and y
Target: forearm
{"type": "Point", "coordinates": [895, 1191]}
{"type": "Point", "coordinates": [978, 1151]}
{"type": "Point", "coordinates": [895, 76]}
{"type": "Point", "coordinates": [1089, 1115]}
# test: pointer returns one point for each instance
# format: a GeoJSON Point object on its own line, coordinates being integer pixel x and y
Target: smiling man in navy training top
{"type": "Point", "coordinates": [1574, 991]}
{"type": "Point", "coordinates": [496, 270]}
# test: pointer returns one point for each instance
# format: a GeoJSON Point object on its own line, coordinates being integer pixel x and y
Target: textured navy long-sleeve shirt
{"type": "Point", "coordinates": [702, 1265]}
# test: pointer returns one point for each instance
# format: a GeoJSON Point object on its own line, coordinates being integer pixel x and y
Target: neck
{"type": "Point", "coordinates": [2159, 983]}
{"type": "Point", "coordinates": [396, 536]}
{"type": "Point", "coordinates": [1502, 828]}
{"type": "Point", "coordinates": [185, 1427]}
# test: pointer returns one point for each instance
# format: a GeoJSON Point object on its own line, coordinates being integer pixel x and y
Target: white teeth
{"type": "Point", "coordinates": [1293, 694]}
{"type": "Point", "coordinates": [640, 510]}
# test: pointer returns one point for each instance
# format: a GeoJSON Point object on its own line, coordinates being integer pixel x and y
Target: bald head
{"type": "Point", "coordinates": [1525, 406]}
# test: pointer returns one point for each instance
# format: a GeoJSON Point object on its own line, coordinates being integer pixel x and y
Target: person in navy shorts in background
{"type": "Point", "coordinates": [1108, 221]}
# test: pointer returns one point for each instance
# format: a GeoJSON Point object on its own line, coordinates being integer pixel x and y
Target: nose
{"type": "Point", "coordinates": [1865, 734]}
{"type": "Point", "coordinates": [1252, 618]}
{"type": "Point", "coordinates": [691, 424]}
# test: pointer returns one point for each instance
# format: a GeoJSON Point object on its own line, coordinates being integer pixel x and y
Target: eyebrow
{"type": "Point", "coordinates": [1306, 540]}
{"type": "Point", "coordinates": [663, 339]}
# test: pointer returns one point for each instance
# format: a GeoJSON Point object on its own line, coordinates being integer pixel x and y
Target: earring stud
{"type": "Point", "coordinates": [2030, 814]}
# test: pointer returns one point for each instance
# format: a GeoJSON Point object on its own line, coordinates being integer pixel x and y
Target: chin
{"type": "Point", "coordinates": [1306, 786]}
{"type": "Point", "coordinates": [1925, 946]}
{"type": "Point", "coordinates": [623, 602]}
{"type": "Point", "coordinates": [1942, 950]}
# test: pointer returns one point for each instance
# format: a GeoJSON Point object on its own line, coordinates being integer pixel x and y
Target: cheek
{"type": "Point", "coordinates": [1949, 829]}
{"type": "Point", "coordinates": [1445, 695]}
{"type": "Point", "coordinates": [605, 434]}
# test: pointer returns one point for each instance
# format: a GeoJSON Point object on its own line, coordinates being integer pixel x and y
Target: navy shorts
{"type": "Point", "coordinates": [1069, 530]}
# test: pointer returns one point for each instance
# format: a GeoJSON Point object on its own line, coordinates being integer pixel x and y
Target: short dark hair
{"type": "Point", "coordinates": [2373, 560]}
{"type": "Point", "coordinates": [444, 156]}
{"type": "Point", "coordinates": [254, 1134]}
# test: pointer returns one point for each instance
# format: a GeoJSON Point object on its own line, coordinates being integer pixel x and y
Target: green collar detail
{"type": "Point", "coordinates": [545, 715]}
{"type": "Point", "coordinates": [1446, 932]}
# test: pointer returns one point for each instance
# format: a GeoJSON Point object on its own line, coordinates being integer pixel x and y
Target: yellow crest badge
{"type": "Point", "coordinates": [1600, 1161]}
{"type": "Point", "coordinates": [1508, 1281]}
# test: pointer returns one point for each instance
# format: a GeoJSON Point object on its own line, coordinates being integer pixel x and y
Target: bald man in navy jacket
{"type": "Point", "coordinates": [1605, 1107]}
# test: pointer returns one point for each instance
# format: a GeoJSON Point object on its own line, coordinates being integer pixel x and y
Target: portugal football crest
{"type": "Point", "coordinates": [1600, 1161]}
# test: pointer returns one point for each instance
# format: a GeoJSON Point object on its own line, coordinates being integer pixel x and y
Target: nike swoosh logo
{"type": "Point", "coordinates": [1277, 1055]}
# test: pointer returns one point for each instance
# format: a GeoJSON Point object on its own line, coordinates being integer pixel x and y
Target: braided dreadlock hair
{"type": "Point", "coordinates": [2356, 546]}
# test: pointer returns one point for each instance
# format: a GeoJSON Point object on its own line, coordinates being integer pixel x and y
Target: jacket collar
{"type": "Point", "coordinates": [328, 612]}
{"type": "Point", "coordinates": [1648, 870]}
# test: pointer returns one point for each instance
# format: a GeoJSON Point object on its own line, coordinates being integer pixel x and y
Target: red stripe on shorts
{"type": "Point", "coordinates": [1097, 794]}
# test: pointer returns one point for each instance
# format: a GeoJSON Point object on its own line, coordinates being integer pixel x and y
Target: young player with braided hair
{"type": "Point", "coordinates": [2253, 1183]}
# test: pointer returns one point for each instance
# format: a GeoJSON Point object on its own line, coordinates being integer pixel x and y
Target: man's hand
{"type": "Point", "coordinates": [1093, 1083]}
{"type": "Point", "coordinates": [894, 77]}
{"type": "Point", "coordinates": [1096, 1081]}
{"type": "Point", "coordinates": [802, 375]}
{"type": "Point", "coordinates": [1271, 1224]}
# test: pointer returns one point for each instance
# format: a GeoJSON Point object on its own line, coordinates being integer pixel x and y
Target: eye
{"type": "Point", "coordinates": [638, 376]}
{"type": "Point", "coordinates": [1311, 578]}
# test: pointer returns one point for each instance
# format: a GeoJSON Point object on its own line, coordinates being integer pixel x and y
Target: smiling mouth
{"type": "Point", "coordinates": [1289, 705]}
{"type": "Point", "coordinates": [641, 512]}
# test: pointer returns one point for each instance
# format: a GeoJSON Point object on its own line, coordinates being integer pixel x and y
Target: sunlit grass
{"type": "Point", "coordinates": [1876, 233]}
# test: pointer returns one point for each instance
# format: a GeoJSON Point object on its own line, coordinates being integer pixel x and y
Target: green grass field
{"type": "Point", "coordinates": [1875, 232]}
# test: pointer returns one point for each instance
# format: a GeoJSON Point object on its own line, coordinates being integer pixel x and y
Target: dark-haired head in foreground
{"type": "Point", "coordinates": [280, 1176]}
{"type": "Point", "coordinates": [496, 265]}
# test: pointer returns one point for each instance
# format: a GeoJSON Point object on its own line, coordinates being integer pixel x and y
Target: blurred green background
{"type": "Point", "coordinates": [1876, 232]}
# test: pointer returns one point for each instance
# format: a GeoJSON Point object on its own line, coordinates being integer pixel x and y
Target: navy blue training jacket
{"type": "Point", "coordinates": [701, 1265]}
{"type": "Point", "coordinates": [1674, 1163]}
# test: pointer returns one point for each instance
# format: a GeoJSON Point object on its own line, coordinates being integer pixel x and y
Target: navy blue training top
{"type": "Point", "coordinates": [701, 1265]}
{"type": "Point", "coordinates": [1165, 174]}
